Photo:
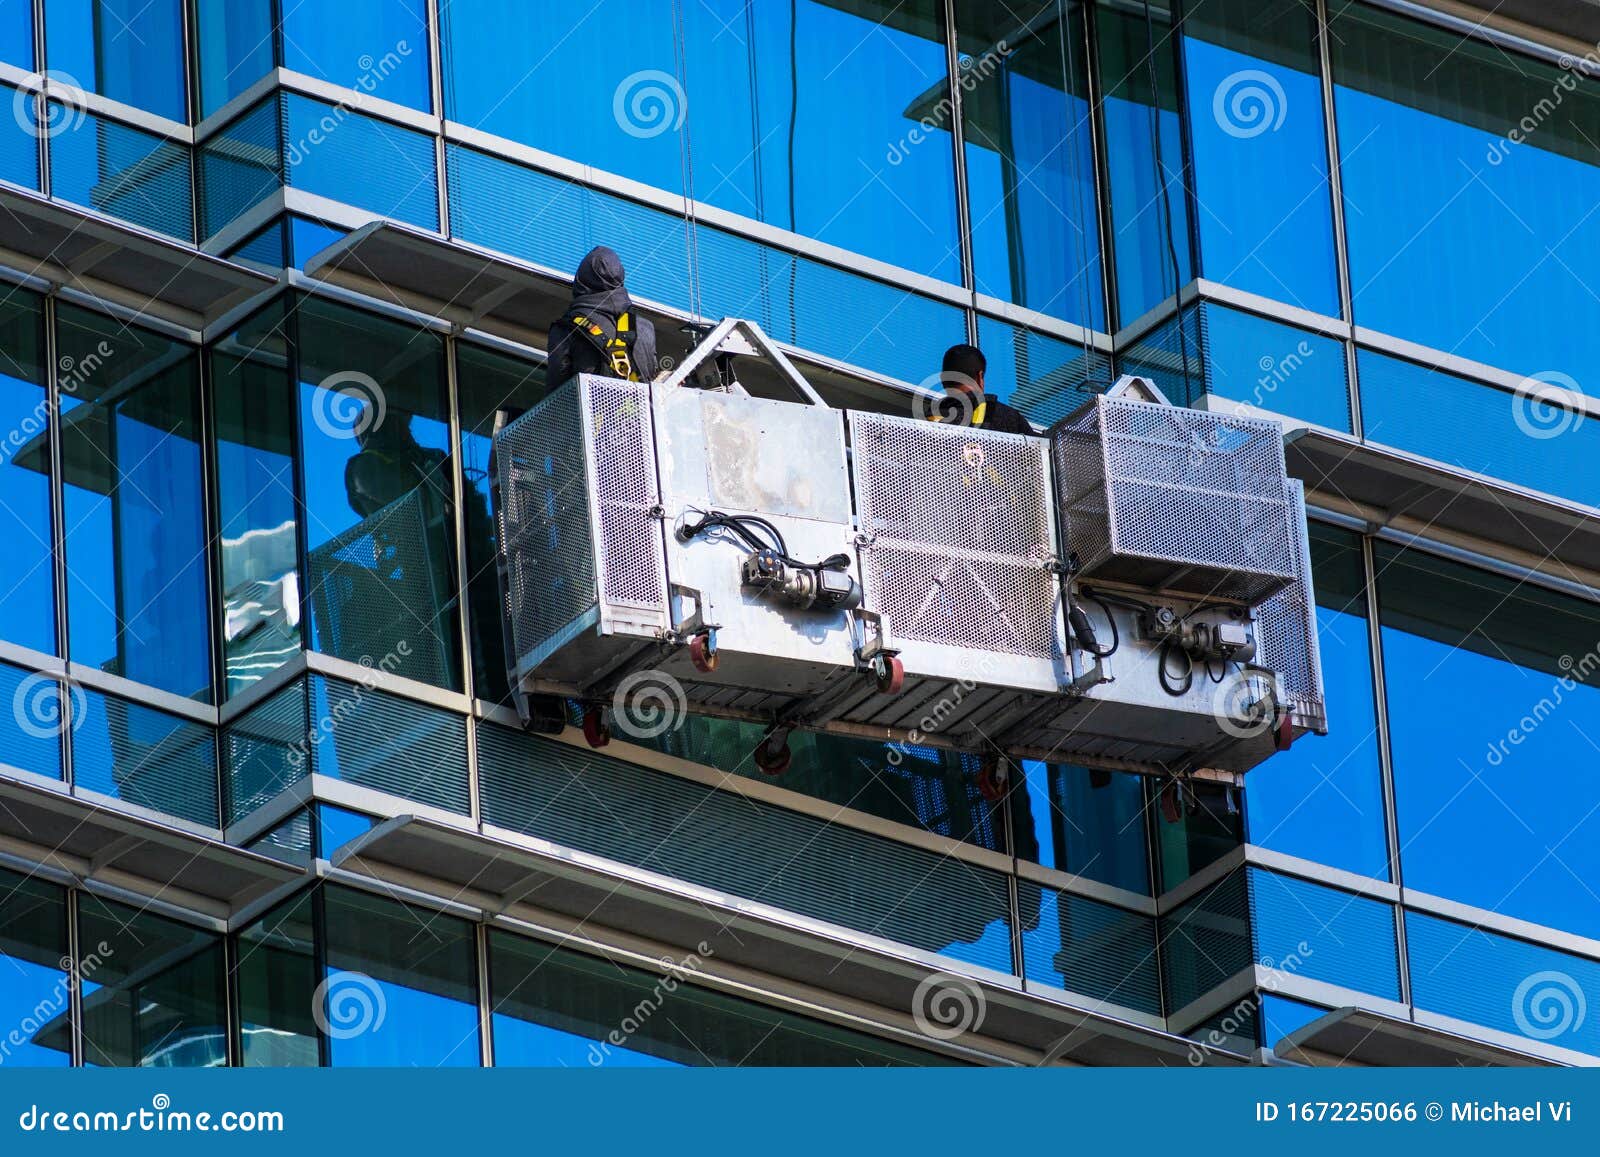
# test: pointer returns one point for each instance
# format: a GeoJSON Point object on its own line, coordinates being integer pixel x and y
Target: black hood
{"type": "Point", "coordinates": [598, 286]}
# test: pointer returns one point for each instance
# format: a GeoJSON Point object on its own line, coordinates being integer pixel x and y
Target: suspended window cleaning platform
{"type": "Point", "coordinates": [1131, 592]}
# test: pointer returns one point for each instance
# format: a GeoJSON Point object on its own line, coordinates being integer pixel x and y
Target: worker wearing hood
{"type": "Point", "coordinates": [600, 333]}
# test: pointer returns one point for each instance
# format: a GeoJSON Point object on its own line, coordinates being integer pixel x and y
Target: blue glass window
{"type": "Point", "coordinates": [27, 597]}
{"type": "Point", "coordinates": [1259, 149]}
{"type": "Point", "coordinates": [1275, 367]}
{"type": "Point", "coordinates": [370, 164]}
{"type": "Point", "coordinates": [1314, 932]}
{"type": "Point", "coordinates": [276, 978]}
{"type": "Point", "coordinates": [121, 171]}
{"type": "Point", "coordinates": [1524, 437]}
{"type": "Point", "coordinates": [128, 50]}
{"type": "Point", "coordinates": [1495, 687]}
{"type": "Point", "coordinates": [240, 165]}
{"type": "Point", "coordinates": [337, 826]}
{"type": "Point", "coordinates": [1090, 949]}
{"type": "Point", "coordinates": [35, 997]}
{"type": "Point", "coordinates": [32, 733]}
{"type": "Point", "coordinates": [1084, 822]}
{"type": "Point", "coordinates": [1044, 377]}
{"type": "Point", "coordinates": [400, 986]}
{"type": "Point", "coordinates": [16, 33]}
{"type": "Point", "coordinates": [135, 512]}
{"type": "Point", "coordinates": [19, 139]}
{"type": "Point", "coordinates": [145, 757]}
{"type": "Point", "coordinates": [1470, 178]}
{"type": "Point", "coordinates": [389, 744]}
{"type": "Point", "coordinates": [1323, 798]}
{"type": "Point", "coordinates": [235, 49]}
{"type": "Point", "coordinates": [1505, 984]}
{"type": "Point", "coordinates": [378, 47]}
{"type": "Point", "coordinates": [1281, 1016]}
{"type": "Point", "coordinates": [1030, 157]}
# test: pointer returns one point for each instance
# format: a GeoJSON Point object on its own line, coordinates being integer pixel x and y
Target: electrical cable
{"type": "Point", "coordinates": [740, 525]}
{"type": "Point", "coordinates": [1162, 672]}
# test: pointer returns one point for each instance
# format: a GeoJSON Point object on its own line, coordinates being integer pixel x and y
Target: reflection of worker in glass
{"type": "Point", "coordinates": [965, 403]}
{"type": "Point", "coordinates": [600, 332]}
{"type": "Point", "coordinates": [391, 464]}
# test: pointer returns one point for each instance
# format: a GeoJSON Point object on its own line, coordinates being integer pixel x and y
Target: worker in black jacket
{"type": "Point", "coordinates": [965, 403]}
{"type": "Point", "coordinates": [600, 333]}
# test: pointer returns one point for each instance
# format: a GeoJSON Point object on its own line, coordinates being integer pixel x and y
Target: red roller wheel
{"type": "Point", "coordinates": [1172, 803]}
{"type": "Point", "coordinates": [890, 673]}
{"type": "Point", "coordinates": [595, 731]}
{"type": "Point", "coordinates": [773, 760]}
{"type": "Point", "coordinates": [1284, 739]}
{"type": "Point", "coordinates": [992, 782]}
{"type": "Point", "coordinates": [703, 653]}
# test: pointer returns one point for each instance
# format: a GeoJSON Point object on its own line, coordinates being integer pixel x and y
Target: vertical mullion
{"type": "Point", "coordinates": [1341, 252]}
{"type": "Point", "coordinates": [1380, 692]}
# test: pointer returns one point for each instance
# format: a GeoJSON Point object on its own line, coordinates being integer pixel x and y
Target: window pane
{"type": "Point", "coordinates": [494, 389]}
{"type": "Point", "coordinates": [379, 47]}
{"type": "Point", "coordinates": [1274, 367]}
{"type": "Point", "coordinates": [400, 987]}
{"type": "Point", "coordinates": [1030, 156]}
{"type": "Point", "coordinates": [379, 498]}
{"type": "Point", "coordinates": [235, 48]}
{"type": "Point", "coordinates": [277, 979]}
{"type": "Point", "coordinates": [16, 33]}
{"type": "Point", "coordinates": [1259, 149]}
{"type": "Point", "coordinates": [1498, 161]}
{"type": "Point", "coordinates": [1492, 722]}
{"type": "Point", "coordinates": [1044, 377]}
{"type": "Point", "coordinates": [128, 50]}
{"type": "Point", "coordinates": [1088, 823]}
{"type": "Point", "coordinates": [554, 1007]}
{"type": "Point", "coordinates": [27, 596]}
{"type": "Point", "coordinates": [260, 612]}
{"type": "Point", "coordinates": [1144, 154]}
{"type": "Point", "coordinates": [30, 738]}
{"type": "Point", "coordinates": [36, 993]}
{"type": "Point", "coordinates": [1323, 798]}
{"type": "Point", "coordinates": [1100, 954]}
{"type": "Point", "coordinates": [123, 171]}
{"type": "Point", "coordinates": [1321, 934]}
{"type": "Point", "coordinates": [359, 160]}
{"type": "Point", "coordinates": [156, 999]}
{"type": "Point", "coordinates": [136, 526]}
{"type": "Point", "coordinates": [145, 757]}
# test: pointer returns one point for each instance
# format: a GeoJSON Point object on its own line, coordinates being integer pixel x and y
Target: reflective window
{"type": "Point", "coordinates": [1260, 152]}
{"type": "Point", "coordinates": [122, 171]}
{"type": "Point", "coordinates": [32, 733]}
{"type": "Point", "coordinates": [128, 50]}
{"type": "Point", "coordinates": [1274, 367]}
{"type": "Point", "coordinates": [1526, 438]}
{"type": "Point", "coordinates": [1044, 377]}
{"type": "Point", "coordinates": [1205, 941]}
{"type": "Point", "coordinates": [1470, 178]}
{"type": "Point", "coordinates": [255, 451]}
{"type": "Point", "coordinates": [16, 33]}
{"type": "Point", "coordinates": [1144, 156]}
{"type": "Point", "coordinates": [240, 165]}
{"type": "Point", "coordinates": [1310, 931]}
{"type": "Point", "coordinates": [135, 511]}
{"type": "Point", "coordinates": [1524, 989]}
{"type": "Point", "coordinates": [553, 1007]}
{"type": "Point", "coordinates": [1208, 827]}
{"type": "Point", "coordinates": [337, 826]}
{"type": "Point", "coordinates": [1323, 798]}
{"type": "Point", "coordinates": [380, 530]}
{"type": "Point", "coordinates": [276, 975]}
{"type": "Point", "coordinates": [1030, 156]}
{"type": "Point", "coordinates": [387, 743]}
{"type": "Point", "coordinates": [1100, 954]}
{"type": "Point", "coordinates": [1281, 1016]}
{"type": "Point", "coordinates": [235, 49]}
{"type": "Point", "coordinates": [307, 238]}
{"type": "Point", "coordinates": [400, 986]}
{"type": "Point", "coordinates": [27, 597]}
{"type": "Point", "coordinates": [1088, 823]}
{"type": "Point", "coordinates": [19, 140]}
{"type": "Point", "coordinates": [1495, 690]}
{"type": "Point", "coordinates": [155, 997]}
{"type": "Point", "coordinates": [35, 993]}
{"type": "Point", "coordinates": [359, 160]}
{"type": "Point", "coordinates": [494, 390]}
{"type": "Point", "coordinates": [379, 47]}
{"type": "Point", "coordinates": [145, 757]}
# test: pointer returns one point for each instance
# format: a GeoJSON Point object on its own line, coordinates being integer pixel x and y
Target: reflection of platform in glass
{"type": "Point", "coordinates": [380, 592]}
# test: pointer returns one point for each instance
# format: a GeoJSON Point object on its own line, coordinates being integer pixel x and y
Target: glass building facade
{"type": "Point", "coordinates": [250, 597]}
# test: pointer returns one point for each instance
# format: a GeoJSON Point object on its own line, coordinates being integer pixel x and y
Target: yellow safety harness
{"type": "Point", "coordinates": [615, 343]}
{"type": "Point", "coordinates": [977, 414]}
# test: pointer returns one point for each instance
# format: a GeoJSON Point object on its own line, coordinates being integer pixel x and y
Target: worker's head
{"type": "Point", "coordinates": [600, 270]}
{"type": "Point", "coordinates": [963, 369]}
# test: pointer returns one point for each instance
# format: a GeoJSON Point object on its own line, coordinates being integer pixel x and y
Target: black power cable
{"type": "Point", "coordinates": [740, 525]}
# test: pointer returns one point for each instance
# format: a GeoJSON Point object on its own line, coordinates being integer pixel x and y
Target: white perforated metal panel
{"type": "Point", "coordinates": [618, 419]}
{"type": "Point", "coordinates": [1286, 628]}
